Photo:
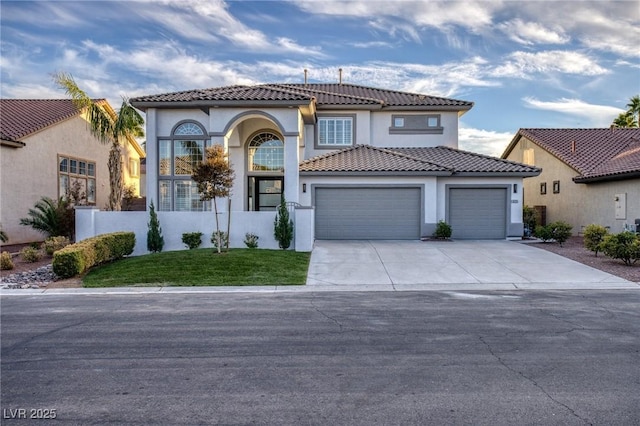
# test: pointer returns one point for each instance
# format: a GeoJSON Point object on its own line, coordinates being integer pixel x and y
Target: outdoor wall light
{"type": "Point", "coordinates": [304, 187]}
{"type": "Point", "coordinates": [515, 188]}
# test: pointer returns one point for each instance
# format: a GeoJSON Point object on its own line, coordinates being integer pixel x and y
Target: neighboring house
{"type": "Point", "coordinates": [588, 175]}
{"type": "Point", "coordinates": [359, 162]}
{"type": "Point", "coordinates": [46, 145]}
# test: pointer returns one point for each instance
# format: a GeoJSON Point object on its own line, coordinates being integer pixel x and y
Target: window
{"type": "Point", "coordinates": [265, 157]}
{"type": "Point", "coordinates": [335, 131]}
{"type": "Point", "coordinates": [543, 188]}
{"type": "Point", "coordinates": [134, 167]}
{"type": "Point", "coordinates": [415, 124]}
{"type": "Point", "coordinates": [266, 153]}
{"type": "Point", "coordinates": [75, 174]}
{"type": "Point", "coordinates": [556, 186]}
{"type": "Point", "coordinates": [178, 156]}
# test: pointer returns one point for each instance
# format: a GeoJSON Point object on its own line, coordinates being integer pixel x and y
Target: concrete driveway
{"type": "Point", "coordinates": [454, 265]}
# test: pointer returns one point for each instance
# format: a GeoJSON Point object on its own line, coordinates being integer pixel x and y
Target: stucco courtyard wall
{"type": "Point", "coordinates": [91, 222]}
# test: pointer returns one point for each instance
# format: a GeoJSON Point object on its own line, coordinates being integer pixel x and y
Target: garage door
{"type": "Point", "coordinates": [478, 213]}
{"type": "Point", "coordinates": [367, 213]}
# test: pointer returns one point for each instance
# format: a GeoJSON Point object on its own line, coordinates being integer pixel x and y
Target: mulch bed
{"type": "Point", "coordinates": [574, 249]}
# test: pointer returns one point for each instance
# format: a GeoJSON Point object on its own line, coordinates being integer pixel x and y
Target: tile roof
{"type": "Point", "coordinates": [596, 154]}
{"type": "Point", "coordinates": [443, 161]}
{"type": "Point", "coordinates": [22, 117]}
{"type": "Point", "coordinates": [325, 95]}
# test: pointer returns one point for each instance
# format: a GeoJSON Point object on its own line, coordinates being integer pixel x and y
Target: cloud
{"type": "Point", "coordinates": [524, 64]}
{"type": "Point", "coordinates": [482, 141]}
{"type": "Point", "coordinates": [530, 33]}
{"type": "Point", "coordinates": [598, 115]}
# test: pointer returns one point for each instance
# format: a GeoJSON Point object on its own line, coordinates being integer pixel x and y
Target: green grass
{"type": "Point", "coordinates": [204, 267]}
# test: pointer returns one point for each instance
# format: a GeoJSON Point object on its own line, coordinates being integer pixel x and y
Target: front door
{"type": "Point", "coordinates": [265, 193]}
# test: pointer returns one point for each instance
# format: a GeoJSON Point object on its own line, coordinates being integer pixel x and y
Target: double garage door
{"type": "Point", "coordinates": [362, 213]}
{"type": "Point", "coordinates": [390, 213]}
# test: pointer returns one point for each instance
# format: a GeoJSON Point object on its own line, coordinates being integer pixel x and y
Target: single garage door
{"type": "Point", "coordinates": [478, 213]}
{"type": "Point", "coordinates": [367, 213]}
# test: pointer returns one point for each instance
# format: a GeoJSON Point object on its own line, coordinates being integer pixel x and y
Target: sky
{"type": "Point", "coordinates": [560, 64]}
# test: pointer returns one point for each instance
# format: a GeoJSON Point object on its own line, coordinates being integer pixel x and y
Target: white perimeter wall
{"type": "Point", "coordinates": [91, 222]}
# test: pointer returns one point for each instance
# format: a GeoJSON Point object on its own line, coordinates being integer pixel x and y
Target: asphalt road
{"type": "Point", "coordinates": [501, 358]}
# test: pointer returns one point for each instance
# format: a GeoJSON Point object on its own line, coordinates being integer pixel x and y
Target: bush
{"type": "Point", "coordinates": [558, 231]}
{"type": "Point", "coordinates": [544, 233]}
{"type": "Point", "coordinates": [76, 258]}
{"type": "Point", "coordinates": [443, 230]}
{"type": "Point", "coordinates": [30, 254]}
{"type": "Point", "coordinates": [561, 231]}
{"type": "Point", "coordinates": [155, 240]}
{"type": "Point", "coordinates": [5, 261]}
{"type": "Point", "coordinates": [593, 237]}
{"type": "Point", "coordinates": [221, 236]}
{"type": "Point", "coordinates": [54, 244]}
{"type": "Point", "coordinates": [251, 240]}
{"type": "Point", "coordinates": [624, 246]}
{"type": "Point", "coordinates": [192, 239]}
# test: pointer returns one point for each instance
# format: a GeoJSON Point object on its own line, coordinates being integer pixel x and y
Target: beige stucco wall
{"type": "Point", "coordinates": [31, 172]}
{"type": "Point", "coordinates": [576, 204]}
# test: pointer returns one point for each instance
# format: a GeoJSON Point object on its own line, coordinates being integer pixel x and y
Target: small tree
{"type": "Point", "coordinates": [214, 177]}
{"type": "Point", "coordinates": [155, 241]}
{"type": "Point", "coordinates": [593, 237]}
{"type": "Point", "coordinates": [283, 226]}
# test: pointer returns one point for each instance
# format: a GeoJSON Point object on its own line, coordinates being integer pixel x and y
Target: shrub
{"type": "Point", "coordinates": [443, 230]}
{"type": "Point", "coordinates": [544, 233]}
{"type": "Point", "coordinates": [3, 236]}
{"type": "Point", "coordinates": [624, 246]}
{"type": "Point", "coordinates": [5, 261]}
{"type": "Point", "coordinates": [30, 254]}
{"type": "Point", "coordinates": [593, 237]}
{"type": "Point", "coordinates": [222, 237]}
{"type": "Point", "coordinates": [283, 226]}
{"type": "Point", "coordinates": [76, 258]}
{"type": "Point", "coordinates": [155, 241]}
{"type": "Point", "coordinates": [251, 240]}
{"type": "Point", "coordinates": [53, 244]}
{"type": "Point", "coordinates": [192, 239]}
{"type": "Point", "coordinates": [558, 231]}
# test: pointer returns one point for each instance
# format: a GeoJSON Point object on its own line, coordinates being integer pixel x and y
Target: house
{"type": "Point", "coordinates": [355, 162]}
{"type": "Point", "coordinates": [588, 175]}
{"type": "Point", "coordinates": [46, 145]}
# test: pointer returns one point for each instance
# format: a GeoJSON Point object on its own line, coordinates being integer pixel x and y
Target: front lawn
{"type": "Point", "coordinates": [204, 267]}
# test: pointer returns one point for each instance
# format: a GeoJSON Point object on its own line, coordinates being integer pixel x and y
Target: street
{"type": "Point", "coordinates": [482, 358]}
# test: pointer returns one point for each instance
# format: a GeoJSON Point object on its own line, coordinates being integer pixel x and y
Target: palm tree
{"type": "Point", "coordinates": [634, 109]}
{"type": "Point", "coordinates": [109, 127]}
{"type": "Point", "coordinates": [631, 117]}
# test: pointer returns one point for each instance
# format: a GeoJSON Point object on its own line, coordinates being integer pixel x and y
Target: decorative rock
{"type": "Point", "coordinates": [29, 279]}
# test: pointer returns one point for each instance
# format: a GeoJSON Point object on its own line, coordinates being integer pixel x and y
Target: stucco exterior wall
{"type": "Point", "coordinates": [31, 172]}
{"type": "Point", "coordinates": [577, 204]}
{"type": "Point", "coordinates": [380, 135]}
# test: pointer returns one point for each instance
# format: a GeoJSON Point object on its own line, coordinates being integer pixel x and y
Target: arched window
{"type": "Point", "coordinates": [266, 153]}
{"type": "Point", "coordinates": [266, 171]}
{"type": "Point", "coordinates": [178, 156]}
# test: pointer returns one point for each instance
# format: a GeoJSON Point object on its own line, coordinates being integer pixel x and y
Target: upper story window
{"type": "Point", "coordinates": [335, 131]}
{"type": "Point", "coordinates": [178, 155]}
{"type": "Point", "coordinates": [416, 124]}
{"type": "Point", "coordinates": [77, 175]}
{"type": "Point", "coordinates": [266, 153]}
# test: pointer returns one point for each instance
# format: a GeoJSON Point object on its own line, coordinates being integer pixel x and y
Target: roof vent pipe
{"type": "Point", "coordinates": [305, 76]}
{"type": "Point", "coordinates": [573, 146]}
{"type": "Point", "coordinates": [340, 76]}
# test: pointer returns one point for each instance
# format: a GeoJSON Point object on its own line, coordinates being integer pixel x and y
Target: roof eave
{"type": "Point", "coordinates": [12, 144]}
{"type": "Point", "coordinates": [143, 105]}
{"type": "Point", "coordinates": [608, 178]}
{"type": "Point", "coordinates": [374, 173]}
{"type": "Point", "coordinates": [498, 174]}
